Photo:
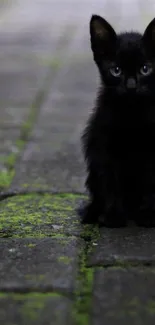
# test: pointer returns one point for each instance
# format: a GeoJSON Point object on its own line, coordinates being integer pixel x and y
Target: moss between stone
{"type": "Point", "coordinates": [82, 307]}
{"type": "Point", "coordinates": [65, 259]}
{"type": "Point", "coordinates": [116, 263]}
{"type": "Point", "coordinates": [36, 277]}
{"type": "Point", "coordinates": [38, 100]}
{"type": "Point", "coordinates": [10, 160]}
{"type": "Point", "coordinates": [6, 177]}
{"type": "Point", "coordinates": [32, 295]}
{"type": "Point", "coordinates": [81, 310]}
{"type": "Point", "coordinates": [90, 233]}
{"type": "Point", "coordinates": [150, 307]}
{"type": "Point", "coordinates": [134, 302]}
{"type": "Point", "coordinates": [47, 61]}
{"type": "Point", "coordinates": [27, 125]}
{"type": "Point", "coordinates": [31, 245]}
{"type": "Point", "coordinates": [35, 215]}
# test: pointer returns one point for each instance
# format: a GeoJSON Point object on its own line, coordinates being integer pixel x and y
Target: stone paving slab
{"type": "Point", "coordinates": [19, 78]}
{"type": "Point", "coordinates": [43, 249]}
{"type": "Point", "coordinates": [30, 55]}
{"type": "Point", "coordinates": [8, 145]}
{"type": "Point", "coordinates": [39, 265]}
{"type": "Point", "coordinates": [123, 296]}
{"type": "Point", "coordinates": [131, 245]}
{"type": "Point", "coordinates": [52, 158]}
{"type": "Point", "coordinates": [35, 309]}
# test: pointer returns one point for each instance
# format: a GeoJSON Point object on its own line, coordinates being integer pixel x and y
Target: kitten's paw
{"type": "Point", "coordinates": [145, 218]}
{"type": "Point", "coordinates": [88, 213]}
{"type": "Point", "coordinates": [112, 220]}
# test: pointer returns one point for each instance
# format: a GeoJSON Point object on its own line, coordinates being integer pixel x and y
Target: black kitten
{"type": "Point", "coordinates": [119, 140]}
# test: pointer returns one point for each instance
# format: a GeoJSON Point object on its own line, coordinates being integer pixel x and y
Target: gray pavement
{"type": "Point", "coordinates": [53, 270]}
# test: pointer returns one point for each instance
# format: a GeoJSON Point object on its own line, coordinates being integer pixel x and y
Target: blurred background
{"type": "Point", "coordinates": [48, 83]}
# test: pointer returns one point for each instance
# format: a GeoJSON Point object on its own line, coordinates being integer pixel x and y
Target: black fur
{"type": "Point", "coordinates": [119, 139]}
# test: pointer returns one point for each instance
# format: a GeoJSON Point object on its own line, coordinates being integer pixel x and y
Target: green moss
{"type": "Point", "coordinates": [35, 215]}
{"type": "Point", "coordinates": [64, 259]}
{"type": "Point", "coordinates": [9, 161]}
{"type": "Point", "coordinates": [20, 143]}
{"type": "Point", "coordinates": [48, 61]}
{"type": "Point", "coordinates": [36, 277]}
{"type": "Point", "coordinates": [32, 305]}
{"type": "Point", "coordinates": [134, 302]}
{"type": "Point", "coordinates": [27, 125]}
{"type": "Point", "coordinates": [27, 296]}
{"type": "Point", "coordinates": [31, 245]}
{"type": "Point", "coordinates": [31, 309]}
{"type": "Point", "coordinates": [82, 307]}
{"type": "Point", "coordinates": [150, 307]}
{"type": "Point", "coordinates": [81, 310]}
{"type": "Point", "coordinates": [6, 177]}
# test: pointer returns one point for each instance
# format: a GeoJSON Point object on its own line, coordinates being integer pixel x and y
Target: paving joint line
{"type": "Point", "coordinates": [8, 194]}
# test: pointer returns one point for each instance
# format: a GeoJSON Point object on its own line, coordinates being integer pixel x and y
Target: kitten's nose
{"type": "Point", "coordinates": [131, 84]}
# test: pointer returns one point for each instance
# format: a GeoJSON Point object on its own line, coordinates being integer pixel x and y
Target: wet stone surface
{"type": "Point", "coordinates": [35, 309]}
{"type": "Point", "coordinates": [124, 296]}
{"type": "Point", "coordinates": [128, 246]}
{"type": "Point", "coordinates": [53, 270]}
{"type": "Point", "coordinates": [46, 264]}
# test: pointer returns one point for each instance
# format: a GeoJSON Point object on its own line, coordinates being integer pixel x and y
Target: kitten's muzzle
{"type": "Point", "coordinates": [131, 84]}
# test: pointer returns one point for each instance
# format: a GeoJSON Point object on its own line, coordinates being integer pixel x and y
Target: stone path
{"type": "Point", "coordinates": [54, 271]}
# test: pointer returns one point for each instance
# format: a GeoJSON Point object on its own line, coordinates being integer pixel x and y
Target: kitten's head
{"type": "Point", "coordinates": [126, 61]}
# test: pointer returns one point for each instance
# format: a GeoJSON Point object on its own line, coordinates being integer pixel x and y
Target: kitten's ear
{"type": "Point", "coordinates": [103, 36]}
{"type": "Point", "coordinates": [149, 34]}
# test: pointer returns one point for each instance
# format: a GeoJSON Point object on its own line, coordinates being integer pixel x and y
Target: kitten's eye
{"type": "Point", "coordinates": [145, 70]}
{"type": "Point", "coordinates": [116, 71]}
